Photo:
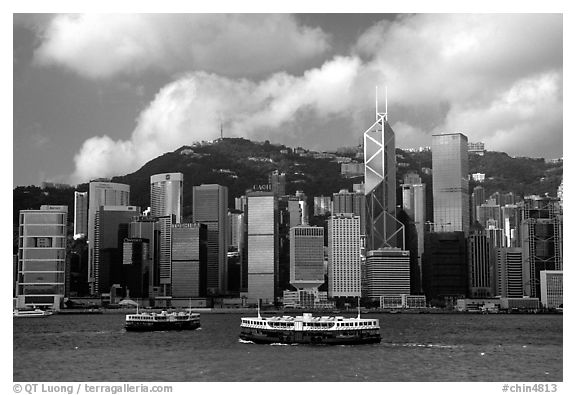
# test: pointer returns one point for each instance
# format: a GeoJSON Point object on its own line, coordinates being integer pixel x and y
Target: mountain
{"type": "Point", "coordinates": [240, 164]}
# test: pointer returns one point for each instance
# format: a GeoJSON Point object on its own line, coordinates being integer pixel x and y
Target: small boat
{"type": "Point", "coordinates": [307, 329]}
{"type": "Point", "coordinates": [31, 313]}
{"type": "Point", "coordinates": [163, 321]}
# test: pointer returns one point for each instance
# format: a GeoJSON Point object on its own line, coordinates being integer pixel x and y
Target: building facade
{"type": "Point", "coordinates": [551, 289]}
{"type": "Point", "coordinates": [263, 249]}
{"type": "Point", "coordinates": [450, 182]}
{"type": "Point", "coordinates": [189, 260]}
{"type": "Point", "coordinates": [387, 273]}
{"type": "Point", "coordinates": [306, 256]}
{"type": "Point", "coordinates": [509, 281]}
{"type": "Point", "coordinates": [479, 273]}
{"type": "Point", "coordinates": [382, 227]}
{"type": "Point", "coordinates": [210, 207]}
{"type": "Point", "coordinates": [166, 195]}
{"type": "Point", "coordinates": [80, 214]}
{"type": "Point", "coordinates": [101, 194]}
{"type": "Point", "coordinates": [42, 257]}
{"type": "Point", "coordinates": [344, 249]}
{"type": "Point", "coordinates": [111, 228]}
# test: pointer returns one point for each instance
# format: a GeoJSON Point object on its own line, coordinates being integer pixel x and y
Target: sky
{"type": "Point", "coordinates": [99, 95]}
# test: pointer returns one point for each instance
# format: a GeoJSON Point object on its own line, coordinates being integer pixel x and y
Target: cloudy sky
{"type": "Point", "coordinates": [99, 95]}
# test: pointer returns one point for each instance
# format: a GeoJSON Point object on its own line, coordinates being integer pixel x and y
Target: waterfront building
{"type": "Point", "coordinates": [42, 257]}
{"type": "Point", "coordinates": [450, 181]}
{"type": "Point", "coordinates": [479, 276]}
{"type": "Point", "coordinates": [111, 228]}
{"type": "Point", "coordinates": [387, 272]}
{"type": "Point", "coordinates": [306, 256]}
{"type": "Point", "coordinates": [147, 229]}
{"type": "Point", "coordinates": [322, 205]}
{"type": "Point", "coordinates": [164, 227]}
{"type": "Point", "coordinates": [166, 195]}
{"type": "Point", "coordinates": [102, 194]}
{"type": "Point", "coordinates": [382, 227]}
{"type": "Point", "coordinates": [541, 240]}
{"type": "Point", "coordinates": [551, 286]}
{"type": "Point", "coordinates": [344, 271]}
{"type": "Point", "coordinates": [306, 298]}
{"type": "Point", "coordinates": [136, 266]}
{"type": "Point", "coordinates": [189, 260]}
{"type": "Point", "coordinates": [263, 249]}
{"type": "Point", "coordinates": [80, 214]}
{"type": "Point", "coordinates": [414, 205]}
{"type": "Point", "coordinates": [508, 282]}
{"type": "Point", "coordinates": [444, 267]}
{"type": "Point", "coordinates": [210, 207]}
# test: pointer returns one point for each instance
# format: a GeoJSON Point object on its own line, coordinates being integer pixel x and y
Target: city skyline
{"type": "Point", "coordinates": [128, 97]}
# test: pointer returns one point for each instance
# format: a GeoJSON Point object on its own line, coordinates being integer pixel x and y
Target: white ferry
{"type": "Point", "coordinates": [307, 329]}
{"type": "Point", "coordinates": [31, 313]}
{"type": "Point", "coordinates": [163, 321]}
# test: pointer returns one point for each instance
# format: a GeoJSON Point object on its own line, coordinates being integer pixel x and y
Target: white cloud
{"type": "Point", "coordinates": [106, 45]}
{"type": "Point", "coordinates": [491, 77]}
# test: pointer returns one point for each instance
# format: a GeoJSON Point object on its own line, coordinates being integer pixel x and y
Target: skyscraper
{"type": "Point", "coordinates": [166, 195]}
{"type": "Point", "coordinates": [444, 267]}
{"type": "Point", "coordinates": [450, 182]}
{"type": "Point", "coordinates": [350, 202]}
{"type": "Point", "coordinates": [306, 256]}
{"type": "Point", "coordinates": [42, 257]}
{"type": "Point", "coordinates": [111, 228]}
{"type": "Point", "coordinates": [344, 247]}
{"type": "Point", "coordinates": [478, 198]}
{"type": "Point", "coordinates": [136, 266]}
{"type": "Point", "coordinates": [188, 260]}
{"type": "Point", "coordinates": [146, 229]}
{"type": "Point", "coordinates": [541, 249]}
{"type": "Point", "coordinates": [387, 272]}
{"type": "Point", "coordinates": [164, 227]}
{"type": "Point", "coordinates": [102, 194]}
{"type": "Point", "coordinates": [508, 279]}
{"type": "Point", "coordinates": [414, 204]}
{"type": "Point", "coordinates": [479, 273]}
{"type": "Point", "coordinates": [382, 228]}
{"type": "Point", "coordinates": [80, 213]}
{"type": "Point", "coordinates": [262, 246]}
{"type": "Point", "coordinates": [210, 207]}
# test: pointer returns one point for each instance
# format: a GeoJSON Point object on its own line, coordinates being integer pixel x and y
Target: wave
{"type": "Point", "coordinates": [423, 345]}
{"type": "Point", "coordinates": [245, 341]}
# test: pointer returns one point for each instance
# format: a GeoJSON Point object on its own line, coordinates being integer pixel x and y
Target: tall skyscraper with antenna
{"type": "Point", "coordinates": [382, 228]}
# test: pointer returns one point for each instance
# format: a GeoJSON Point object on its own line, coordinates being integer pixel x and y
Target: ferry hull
{"type": "Point", "coordinates": [291, 337]}
{"type": "Point", "coordinates": [161, 326]}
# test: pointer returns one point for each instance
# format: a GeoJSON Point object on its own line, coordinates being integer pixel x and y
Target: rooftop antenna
{"type": "Point", "coordinates": [385, 113]}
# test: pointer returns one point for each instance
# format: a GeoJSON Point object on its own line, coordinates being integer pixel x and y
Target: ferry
{"type": "Point", "coordinates": [307, 329]}
{"type": "Point", "coordinates": [31, 313]}
{"type": "Point", "coordinates": [163, 321]}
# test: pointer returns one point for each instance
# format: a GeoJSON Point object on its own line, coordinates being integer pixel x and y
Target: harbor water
{"type": "Point", "coordinates": [414, 347]}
